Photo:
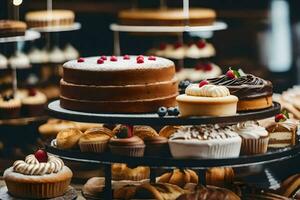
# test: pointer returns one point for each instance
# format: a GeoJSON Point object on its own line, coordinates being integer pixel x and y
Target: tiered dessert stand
{"type": "Point", "coordinates": [153, 119]}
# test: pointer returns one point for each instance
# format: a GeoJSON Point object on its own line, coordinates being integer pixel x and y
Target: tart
{"type": "Point", "coordinates": [51, 18]}
{"type": "Point", "coordinates": [253, 92]}
{"type": "Point", "coordinates": [39, 176]}
{"type": "Point", "coordinates": [255, 138]}
{"type": "Point", "coordinates": [205, 142]}
{"type": "Point", "coordinates": [10, 28]}
{"type": "Point", "coordinates": [10, 107]}
{"type": "Point", "coordinates": [126, 144]}
{"type": "Point", "coordinates": [206, 100]}
{"type": "Point", "coordinates": [34, 103]}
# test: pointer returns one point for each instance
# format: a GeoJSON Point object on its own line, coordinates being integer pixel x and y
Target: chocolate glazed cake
{"type": "Point", "coordinates": [128, 84]}
{"type": "Point", "coordinates": [253, 92]}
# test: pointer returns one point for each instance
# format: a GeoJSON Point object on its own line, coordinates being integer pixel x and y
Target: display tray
{"type": "Point", "coordinates": [169, 162]}
{"type": "Point", "coordinates": [23, 120]}
{"type": "Point", "coordinates": [55, 110]}
{"type": "Point", "coordinates": [29, 35]}
{"type": "Point", "coordinates": [52, 29]}
{"type": "Point", "coordinates": [216, 26]}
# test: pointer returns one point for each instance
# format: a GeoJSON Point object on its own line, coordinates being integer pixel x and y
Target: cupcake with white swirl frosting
{"type": "Point", "coordinates": [255, 138]}
{"type": "Point", "coordinates": [204, 99]}
{"type": "Point", "coordinates": [39, 176]}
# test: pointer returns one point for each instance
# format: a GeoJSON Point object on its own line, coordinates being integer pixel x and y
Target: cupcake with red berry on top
{"type": "Point", "coordinates": [10, 107]}
{"type": "Point", "coordinates": [125, 143]}
{"type": "Point", "coordinates": [34, 103]}
{"type": "Point", "coordinates": [40, 176]}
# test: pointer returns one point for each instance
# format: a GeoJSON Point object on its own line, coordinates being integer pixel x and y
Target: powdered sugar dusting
{"type": "Point", "coordinates": [90, 64]}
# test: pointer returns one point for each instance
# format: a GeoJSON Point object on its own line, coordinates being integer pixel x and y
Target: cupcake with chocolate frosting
{"type": "Point", "coordinates": [39, 176]}
{"type": "Point", "coordinates": [255, 138]}
{"type": "Point", "coordinates": [253, 92]}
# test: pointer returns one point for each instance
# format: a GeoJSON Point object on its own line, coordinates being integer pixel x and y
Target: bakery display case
{"type": "Point", "coordinates": [149, 100]}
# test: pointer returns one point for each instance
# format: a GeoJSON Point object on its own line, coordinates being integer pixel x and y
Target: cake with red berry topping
{"type": "Point", "coordinates": [168, 17]}
{"type": "Point", "coordinates": [10, 107]}
{"type": "Point", "coordinates": [123, 84]}
{"type": "Point", "coordinates": [204, 99]}
{"type": "Point", "coordinates": [40, 176]}
{"type": "Point", "coordinates": [33, 103]}
{"type": "Point", "coordinates": [10, 28]}
{"type": "Point", "coordinates": [253, 92]}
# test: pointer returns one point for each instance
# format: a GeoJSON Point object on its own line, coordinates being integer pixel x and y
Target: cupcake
{"type": "Point", "coordinates": [10, 107]}
{"type": "Point", "coordinates": [124, 143]}
{"type": "Point", "coordinates": [34, 103]}
{"type": "Point", "coordinates": [39, 176]}
{"type": "Point", "coordinates": [94, 142]}
{"type": "Point", "coordinates": [156, 146]}
{"type": "Point", "coordinates": [210, 141]}
{"type": "Point", "coordinates": [255, 138]}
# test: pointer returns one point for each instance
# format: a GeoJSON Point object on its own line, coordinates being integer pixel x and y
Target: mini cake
{"type": "Point", "coordinates": [124, 84]}
{"type": "Point", "coordinates": [201, 72]}
{"type": "Point", "coordinates": [39, 176]}
{"type": "Point", "coordinates": [52, 18]}
{"type": "Point", "coordinates": [201, 49]}
{"type": "Point", "coordinates": [10, 107]}
{"type": "Point", "coordinates": [93, 141]}
{"type": "Point", "coordinates": [10, 28]}
{"type": "Point", "coordinates": [68, 138]}
{"type": "Point", "coordinates": [156, 146]}
{"type": "Point", "coordinates": [124, 143]}
{"type": "Point", "coordinates": [168, 17]}
{"type": "Point", "coordinates": [205, 142]}
{"type": "Point", "coordinates": [3, 62]}
{"type": "Point", "coordinates": [70, 52]}
{"type": "Point", "coordinates": [34, 103]}
{"type": "Point", "coordinates": [56, 55]}
{"type": "Point", "coordinates": [253, 92]}
{"type": "Point", "coordinates": [19, 61]}
{"type": "Point", "coordinates": [282, 132]}
{"type": "Point", "coordinates": [255, 138]}
{"type": "Point", "coordinates": [206, 100]}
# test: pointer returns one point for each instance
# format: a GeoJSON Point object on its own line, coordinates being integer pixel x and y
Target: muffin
{"type": "Point", "coordinates": [34, 103]}
{"type": "Point", "coordinates": [156, 146]}
{"type": "Point", "coordinates": [68, 139]}
{"type": "Point", "coordinates": [100, 130]}
{"type": "Point", "coordinates": [124, 143]}
{"type": "Point", "coordinates": [39, 176]}
{"type": "Point", "coordinates": [94, 142]}
{"type": "Point", "coordinates": [206, 100]}
{"type": "Point", "coordinates": [210, 141]}
{"type": "Point", "coordinates": [10, 107]}
{"type": "Point", "coordinates": [54, 126]}
{"type": "Point", "coordinates": [255, 138]}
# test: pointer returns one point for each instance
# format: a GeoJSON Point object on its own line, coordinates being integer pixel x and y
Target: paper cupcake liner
{"type": "Point", "coordinates": [10, 112]}
{"type": "Point", "coordinates": [33, 109]}
{"type": "Point", "coordinates": [37, 190]}
{"type": "Point", "coordinates": [132, 151]}
{"type": "Point", "coordinates": [254, 146]}
{"type": "Point", "coordinates": [98, 147]}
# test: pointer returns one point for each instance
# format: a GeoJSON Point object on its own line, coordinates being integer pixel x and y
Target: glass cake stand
{"type": "Point", "coordinates": [55, 110]}
{"type": "Point", "coordinates": [29, 35]}
{"type": "Point", "coordinates": [53, 29]}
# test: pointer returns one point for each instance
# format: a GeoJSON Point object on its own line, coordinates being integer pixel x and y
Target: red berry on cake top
{"type": "Point", "coordinates": [178, 45]}
{"type": "Point", "coordinates": [151, 58]}
{"type": "Point", "coordinates": [162, 46]}
{"type": "Point", "coordinates": [100, 61]}
{"type": "Point", "coordinates": [32, 92]}
{"type": "Point", "coordinates": [201, 44]}
{"type": "Point", "coordinates": [41, 155]}
{"type": "Point", "coordinates": [126, 57]}
{"type": "Point", "coordinates": [208, 67]}
{"type": "Point", "coordinates": [202, 83]}
{"type": "Point", "coordinates": [103, 57]}
{"type": "Point", "coordinates": [80, 60]}
{"type": "Point", "coordinates": [113, 58]}
{"type": "Point", "coordinates": [280, 118]}
{"type": "Point", "coordinates": [230, 74]}
{"type": "Point", "coordinates": [125, 131]}
{"type": "Point", "coordinates": [140, 60]}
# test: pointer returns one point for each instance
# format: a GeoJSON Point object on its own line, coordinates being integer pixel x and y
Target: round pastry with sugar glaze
{"type": "Point", "coordinates": [206, 100]}
{"type": "Point", "coordinates": [118, 84]}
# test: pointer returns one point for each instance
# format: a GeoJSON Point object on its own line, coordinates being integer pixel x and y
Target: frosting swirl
{"type": "Point", "coordinates": [31, 166]}
{"type": "Point", "coordinates": [245, 87]}
{"type": "Point", "coordinates": [251, 130]}
{"type": "Point", "coordinates": [207, 91]}
{"type": "Point", "coordinates": [209, 132]}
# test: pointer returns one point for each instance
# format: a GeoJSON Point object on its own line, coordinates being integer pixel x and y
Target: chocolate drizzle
{"type": "Point", "coordinates": [245, 87]}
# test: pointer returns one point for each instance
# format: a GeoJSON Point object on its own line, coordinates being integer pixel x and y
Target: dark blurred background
{"type": "Point", "coordinates": [263, 36]}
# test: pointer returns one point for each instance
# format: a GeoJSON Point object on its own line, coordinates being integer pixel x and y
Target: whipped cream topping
{"type": "Point", "coordinates": [70, 52]}
{"type": "Point", "coordinates": [207, 91]}
{"type": "Point", "coordinates": [37, 56]}
{"type": "Point", "coordinates": [3, 62]}
{"type": "Point", "coordinates": [31, 166]}
{"type": "Point", "coordinates": [38, 98]}
{"type": "Point", "coordinates": [56, 55]}
{"type": "Point", "coordinates": [19, 61]}
{"type": "Point", "coordinates": [208, 132]}
{"type": "Point", "coordinates": [250, 130]}
{"type": "Point", "coordinates": [194, 52]}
